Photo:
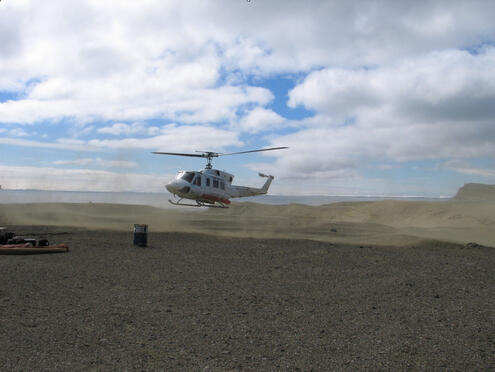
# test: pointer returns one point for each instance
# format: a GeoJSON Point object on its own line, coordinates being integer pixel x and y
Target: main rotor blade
{"type": "Point", "coordinates": [245, 152]}
{"type": "Point", "coordinates": [179, 154]}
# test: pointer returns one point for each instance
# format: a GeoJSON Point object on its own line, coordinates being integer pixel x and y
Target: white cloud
{"type": "Point", "coordinates": [115, 163]}
{"type": "Point", "coordinates": [79, 130]}
{"type": "Point", "coordinates": [133, 98]}
{"type": "Point", "coordinates": [17, 132]}
{"type": "Point", "coordinates": [125, 61]}
{"type": "Point", "coordinates": [83, 162]}
{"type": "Point", "coordinates": [333, 150]}
{"type": "Point", "coordinates": [464, 167]}
{"type": "Point", "coordinates": [171, 138]}
{"type": "Point", "coordinates": [434, 107]}
{"type": "Point", "coordinates": [119, 129]}
{"type": "Point", "coordinates": [453, 85]}
{"type": "Point", "coordinates": [90, 62]}
{"type": "Point", "coordinates": [49, 178]}
{"type": "Point", "coordinates": [389, 82]}
{"type": "Point", "coordinates": [488, 173]}
{"type": "Point", "coordinates": [176, 138]}
{"type": "Point", "coordinates": [314, 153]}
{"type": "Point", "coordinates": [61, 144]}
{"type": "Point", "coordinates": [98, 162]}
{"type": "Point", "coordinates": [260, 120]}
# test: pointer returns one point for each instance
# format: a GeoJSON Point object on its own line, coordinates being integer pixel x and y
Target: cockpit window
{"type": "Point", "coordinates": [188, 176]}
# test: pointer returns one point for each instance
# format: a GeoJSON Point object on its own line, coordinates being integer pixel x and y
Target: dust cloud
{"type": "Point", "coordinates": [390, 222]}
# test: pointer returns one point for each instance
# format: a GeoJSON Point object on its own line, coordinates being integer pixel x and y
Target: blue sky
{"type": "Point", "coordinates": [372, 97]}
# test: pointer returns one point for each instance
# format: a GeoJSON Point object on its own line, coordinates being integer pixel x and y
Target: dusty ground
{"type": "Point", "coordinates": [392, 222]}
{"type": "Point", "coordinates": [196, 302]}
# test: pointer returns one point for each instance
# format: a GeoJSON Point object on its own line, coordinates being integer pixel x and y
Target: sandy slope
{"type": "Point", "coordinates": [389, 222]}
{"type": "Point", "coordinates": [383, 222]}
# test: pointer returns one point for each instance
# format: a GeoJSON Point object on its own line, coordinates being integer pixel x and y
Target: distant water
{"type": "Point", "coordinates": [316, 200]}
{"type": "Point", "coordinates": [160, 200]}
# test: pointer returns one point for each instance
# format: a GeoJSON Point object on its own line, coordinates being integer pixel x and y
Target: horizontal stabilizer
{"type": "Point", "coordinates": [264, 175]}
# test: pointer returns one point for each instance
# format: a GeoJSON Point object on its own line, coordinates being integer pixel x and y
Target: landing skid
{"type": "Point", "coordinates": [198, 204]}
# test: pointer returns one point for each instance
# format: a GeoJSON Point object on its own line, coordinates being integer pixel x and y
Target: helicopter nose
{"type": "Point", "coordinates": [178, 187]}
{"type": "Point", "coordinates": [172, 187]}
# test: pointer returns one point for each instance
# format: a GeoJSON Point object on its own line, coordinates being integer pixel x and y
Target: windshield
{"type": "Point", "coordinates": [187, 176]}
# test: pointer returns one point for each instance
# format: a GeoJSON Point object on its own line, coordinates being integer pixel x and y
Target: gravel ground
{"type": "Point", "coordinates": [194, 302]}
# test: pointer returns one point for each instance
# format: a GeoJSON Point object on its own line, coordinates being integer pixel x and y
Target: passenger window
{"type": "Point", "coordinates": [208, 182]}
{"type": "Point", "coordinates": [215, 183]}
{"type": "Point", "coordinates": [222, 185]}
{"type": "Point", "coordinates": [197, 181]}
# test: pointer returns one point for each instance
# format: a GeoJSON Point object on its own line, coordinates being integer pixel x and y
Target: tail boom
{"type": "Point", "coordinates": [243, 191]}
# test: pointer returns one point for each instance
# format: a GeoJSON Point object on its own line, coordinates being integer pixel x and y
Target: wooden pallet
{"type": "Point", "coordinates": [27, 248]}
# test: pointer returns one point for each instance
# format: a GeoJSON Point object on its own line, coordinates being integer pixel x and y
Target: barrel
{"type": "Point", "coordinates": [140, 235]}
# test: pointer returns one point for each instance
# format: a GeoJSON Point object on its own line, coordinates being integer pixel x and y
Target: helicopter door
{"type": "Point", "coordinates": [197, 180]}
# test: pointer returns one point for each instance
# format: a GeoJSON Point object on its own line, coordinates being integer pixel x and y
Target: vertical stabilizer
{"type": "Point", "coordinates": [264, 188]}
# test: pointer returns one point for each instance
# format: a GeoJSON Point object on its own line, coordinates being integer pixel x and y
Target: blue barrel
{"type": "Point", "coordinates": [140, 235]}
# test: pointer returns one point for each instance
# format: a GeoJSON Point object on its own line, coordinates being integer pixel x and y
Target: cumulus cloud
{"type": "Point", "coordinates": [454, 85]}
{"type": "Point", "coordinates": [88, 62]}
{"type": "Point", "coordinates": [260, 120]}
{"type": "Point", "coordinates": [132, 98]}
{"type": "Point", "coordinates": [434, 107]}
{"type": "Point", "coordinates": [388, 82]}
{"type": "Point", "coordinates": [117, 61]}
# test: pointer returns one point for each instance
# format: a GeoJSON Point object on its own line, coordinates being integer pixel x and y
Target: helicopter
{"type": "Point", "coordinates": [211, 187]}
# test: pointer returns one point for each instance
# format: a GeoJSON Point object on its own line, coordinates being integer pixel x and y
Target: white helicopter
{"type": "Point", "coordinates": [211, 187]}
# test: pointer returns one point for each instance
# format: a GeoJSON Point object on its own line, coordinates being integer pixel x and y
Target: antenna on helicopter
{"type": "Point", "coordinates": [209, 155]}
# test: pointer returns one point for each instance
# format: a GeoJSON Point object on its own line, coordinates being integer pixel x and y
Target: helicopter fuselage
{"type": "Point", "coordinates": [211, 187]}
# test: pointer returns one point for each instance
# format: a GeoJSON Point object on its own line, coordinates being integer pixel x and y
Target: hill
{"type": "Point", "coordinates": [476, 192]}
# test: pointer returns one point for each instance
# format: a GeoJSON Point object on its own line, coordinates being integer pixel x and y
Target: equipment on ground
{"type": "Point", "coordinates": [140, 235]}
{"type": "Point", "coordinates": [10, 243]}
{"type": "Point", "coordinates": [211, 187]}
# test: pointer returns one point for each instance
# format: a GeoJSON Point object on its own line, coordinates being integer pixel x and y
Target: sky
{"type": "Point", "coordinates": [371, 97]}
